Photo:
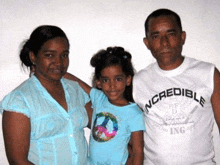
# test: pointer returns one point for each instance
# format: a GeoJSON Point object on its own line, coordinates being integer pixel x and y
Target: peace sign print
{"type": "Point", "coordinates": [105, 127]}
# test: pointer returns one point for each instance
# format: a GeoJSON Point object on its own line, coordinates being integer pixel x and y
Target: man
{"type": "Point", "coordinates": [180, 97]}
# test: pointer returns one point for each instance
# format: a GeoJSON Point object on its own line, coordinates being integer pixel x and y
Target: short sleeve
{"type": "Point", "coordinates": [15, 102]}
{"type": "Point", "coordinates": [136, 123]}
{"type": "Point", "coordinates": [84, 95]}
{"type": "Point", "coordinates": [96, 96]}
{"type": "Point", "coordinates": [75, 90]}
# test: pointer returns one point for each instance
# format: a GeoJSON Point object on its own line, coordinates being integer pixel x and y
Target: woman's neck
{"type": "Point", "coordinates": [55, 89]}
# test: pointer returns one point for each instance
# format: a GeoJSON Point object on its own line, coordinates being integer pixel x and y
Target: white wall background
{"type": "Point", "coordinates": [95, 24]}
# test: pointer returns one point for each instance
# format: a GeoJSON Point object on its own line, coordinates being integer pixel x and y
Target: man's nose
{"type": "Point", "coordinates": [164, 40]}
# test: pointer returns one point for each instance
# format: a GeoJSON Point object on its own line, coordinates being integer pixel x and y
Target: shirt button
{"type": "Point", "coordinates": [71, 135]}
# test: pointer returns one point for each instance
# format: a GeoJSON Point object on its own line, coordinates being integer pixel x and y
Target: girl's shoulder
{"type": "Point", "coordinates": [97, 95]}
{"type": "Point", "coordinates": [133, 108]}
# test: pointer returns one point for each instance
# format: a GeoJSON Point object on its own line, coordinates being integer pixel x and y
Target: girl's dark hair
{"type": "Point", "coordinates": [37, 38]}
{"type": "Point", "coordinates": [114, 56]}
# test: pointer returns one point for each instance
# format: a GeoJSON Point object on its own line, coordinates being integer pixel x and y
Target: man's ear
{"type": "Point", "coordinates": [32, 57]}
{"type": "Point", "coordinates": [128, 80]}
{"type": "Point", "coordinates": [146, 42]}
{"type": "Point", "coordinates": [183, 36]}
{"type": "Point", "coordinates": [98, 84]}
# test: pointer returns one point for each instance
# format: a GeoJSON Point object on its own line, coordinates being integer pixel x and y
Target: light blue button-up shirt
{"type": "Point", "coordinates": [57, 136]}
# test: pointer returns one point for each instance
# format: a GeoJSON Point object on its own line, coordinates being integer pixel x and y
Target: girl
{"type": "Point", "coordinates": [116, 119]}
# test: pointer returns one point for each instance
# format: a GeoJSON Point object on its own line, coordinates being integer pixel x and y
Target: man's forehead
{"type": "Point", "coordinates": [167, 21]}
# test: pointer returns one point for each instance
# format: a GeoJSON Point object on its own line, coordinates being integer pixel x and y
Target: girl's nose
{"type": "Point", "coordinates": [112, 84]}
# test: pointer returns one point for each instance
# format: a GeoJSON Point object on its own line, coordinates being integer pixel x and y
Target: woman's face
{"type": "Point", "coordinates": [52, 60]}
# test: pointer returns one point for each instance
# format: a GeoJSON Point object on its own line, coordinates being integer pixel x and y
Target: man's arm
{"type": "Point", "coordinates": [215, 99]}
{"type": "Point", "coordinates": [16, 132]}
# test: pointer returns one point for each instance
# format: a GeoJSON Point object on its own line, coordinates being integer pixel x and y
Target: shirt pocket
{"type": "Point", "coordinates": [49, 126]}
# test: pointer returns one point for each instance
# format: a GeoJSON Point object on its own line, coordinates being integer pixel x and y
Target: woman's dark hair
{"type": "Point", "coordinates": [37, 38]}
{"type": "Point", "coordinates": [114, 56]}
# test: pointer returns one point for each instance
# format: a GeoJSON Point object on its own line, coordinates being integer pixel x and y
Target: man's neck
{"type": "Point", "coordinates": [171, 65]}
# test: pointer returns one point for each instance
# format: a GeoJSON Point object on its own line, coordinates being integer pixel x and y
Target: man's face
{"type": "Point", "coordinates": [165, 40]}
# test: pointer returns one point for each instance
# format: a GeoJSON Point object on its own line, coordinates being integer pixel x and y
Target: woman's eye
{"type": "Point", "coordinates": [65, 55]}
{"type": "Point", "coordinates": [48, 55]}
{"type": "Point", "coordinates": [104, 80]}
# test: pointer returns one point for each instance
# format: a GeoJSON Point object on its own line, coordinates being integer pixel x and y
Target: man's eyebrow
{"type": "Point", "coordinates": [153, 33]}
{"type": "Point", "coordinates": [171, 30]}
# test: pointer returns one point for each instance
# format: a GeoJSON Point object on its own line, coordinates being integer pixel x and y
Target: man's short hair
{"type": "Point", "coordinates": [162, 12]}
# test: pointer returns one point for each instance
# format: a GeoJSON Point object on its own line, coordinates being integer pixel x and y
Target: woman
{"type": "Point", "coordinates": [43, 118]}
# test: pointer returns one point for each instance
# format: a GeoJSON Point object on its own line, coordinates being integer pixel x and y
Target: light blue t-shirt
{"type": "Point", "coordinates": [111, 129]}
{"type": "Point", "coordinates": [57, 136]}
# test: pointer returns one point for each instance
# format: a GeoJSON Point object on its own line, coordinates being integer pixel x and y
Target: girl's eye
{"type": "Point", "coordinates": [118, 79]}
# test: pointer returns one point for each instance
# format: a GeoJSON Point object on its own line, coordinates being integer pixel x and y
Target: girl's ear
{"type": "Point", "coordinates": [98, 84]}
{"type": "Point", "coordinates": [128, 80]}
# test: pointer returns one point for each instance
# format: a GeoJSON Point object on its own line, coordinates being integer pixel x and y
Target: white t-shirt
{"type": "Point", "coordinates": [178, 113]}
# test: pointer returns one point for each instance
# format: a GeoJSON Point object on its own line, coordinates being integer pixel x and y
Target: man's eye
{"type": "Point", "coordinates": [155, 36]}
{"type": "Point", "coordinates": [172, 34]}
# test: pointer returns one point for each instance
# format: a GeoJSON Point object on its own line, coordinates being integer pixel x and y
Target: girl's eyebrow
{"type": "Point", "coordinates": [119, 75]}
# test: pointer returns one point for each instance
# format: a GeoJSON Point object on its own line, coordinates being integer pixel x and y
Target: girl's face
{"type": "Point", "coordinates": [52, 60]}
{"type": "Point", "coordinates": [113, 82]}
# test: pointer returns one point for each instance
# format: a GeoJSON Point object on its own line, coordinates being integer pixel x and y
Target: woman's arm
{"type": "Point", "coordinates": [16, 131]}
{"type": "Point", "coordinates": [137, 143]}
{"type": "Point", "coordinates": [85, 86]}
